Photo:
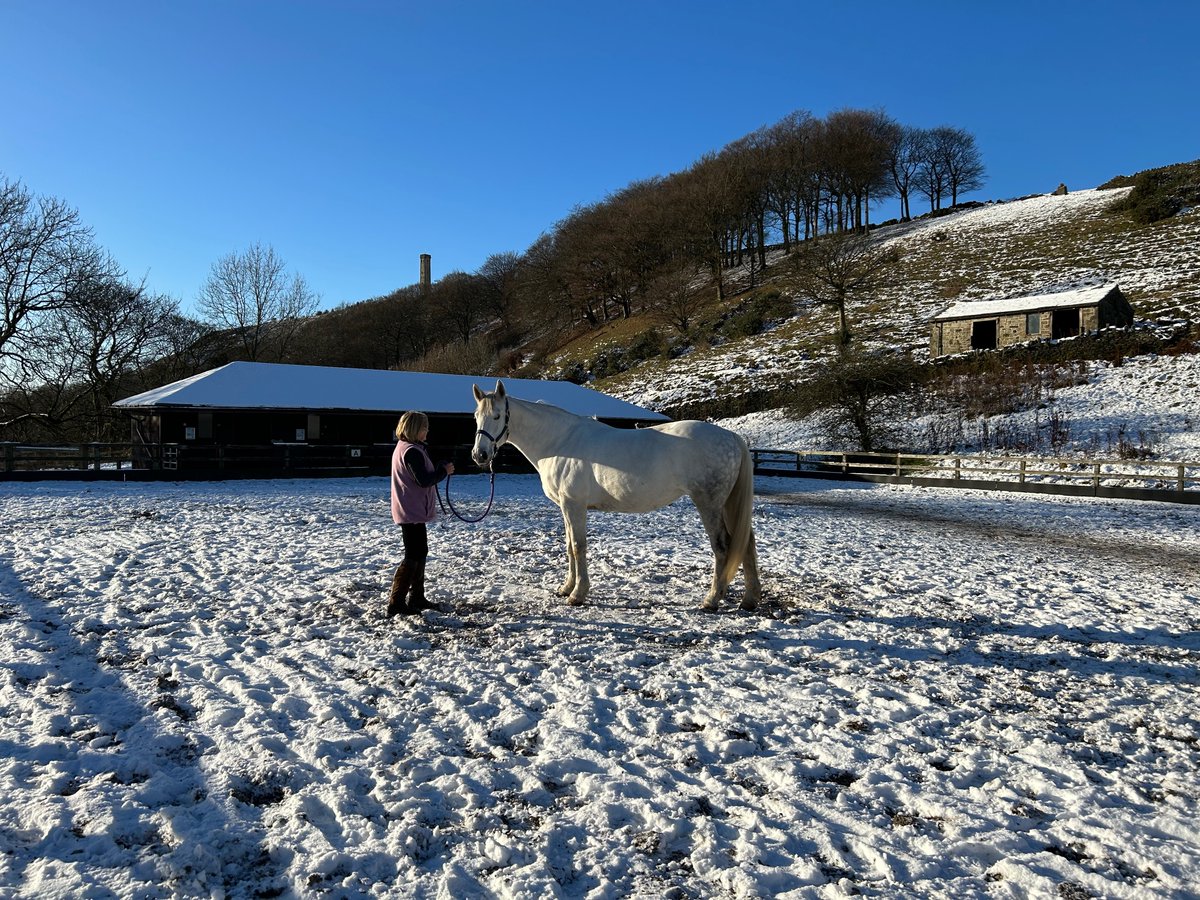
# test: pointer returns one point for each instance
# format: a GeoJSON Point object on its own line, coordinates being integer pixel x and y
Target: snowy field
{"type": "Point", "coordinates": [949, 694]}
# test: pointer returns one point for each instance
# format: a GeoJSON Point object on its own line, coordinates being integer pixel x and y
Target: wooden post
{"type": "Point", "coordinates": [1182, 479]}
{"type": "Point", "coordinates": [1022, 471]}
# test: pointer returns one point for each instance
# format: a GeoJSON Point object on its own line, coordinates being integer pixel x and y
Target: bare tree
{"type": "Point", "coordinates": [791, 145]}
{"type": "Point", "coordinates": [904, 164]}
{"type": "Point", "coordinates": [931, 172]}
{"type": "Point", "coordinates": [113, 329]}
{"type": "Point", "coordinates": [838, 269]}
{"type": "Point", "coordinates": [499, 273]}
{"type": "Point", "coordinates": [950, 164]}
{"type": "Point", "coordinates": [676, 301]}
{"type": "Point", "coordinates": [860, 395]}
{"type": "Point", "coordinates": [44, 253]}
{"type": "Point", "coordinates": [460, 301]}
{"type": "Point", "coordinates": [858, 145]}
{"type": "Point", "coordinates": [251, 294]}
{"type": "Point", "coordinates": [961, 160]}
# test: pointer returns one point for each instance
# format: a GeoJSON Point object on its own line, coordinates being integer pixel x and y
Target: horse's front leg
{"type": "Point", "coordinates": [576, 587]}
{"type": "Point", "coordinates": [567, 586]}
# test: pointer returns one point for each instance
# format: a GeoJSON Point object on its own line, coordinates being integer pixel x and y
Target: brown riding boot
{"type": "Point", "coordinates": [417, 601]}
{"type": "Point", "coordinates": [398, 597]}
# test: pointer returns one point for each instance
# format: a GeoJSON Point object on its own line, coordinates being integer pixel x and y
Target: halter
{"type": "Point", "coordinates": [503, 430]}
{"type": "Point", "coordinates": [448, 506]}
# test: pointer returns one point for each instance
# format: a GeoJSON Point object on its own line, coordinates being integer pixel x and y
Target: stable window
{"type": "Point", "coordinates": [1033, 323]}
{"type": "Point", "coordinates": [983, 334]}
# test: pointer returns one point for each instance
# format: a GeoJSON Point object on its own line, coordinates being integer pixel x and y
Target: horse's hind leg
{"type": "Point", "coordinates": [750, 571]}
{"type": "Point", "coordinates": [718, 537]}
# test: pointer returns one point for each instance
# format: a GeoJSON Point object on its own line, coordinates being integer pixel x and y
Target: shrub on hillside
{"type": "Point", "coordinates": [753, 316]}
{"type": "Point", "coordinates": [1161, 193]}
{"type": "Point", "coordinates": [858, 397]}
{"type": "Point", "coordinates": [649, 344]}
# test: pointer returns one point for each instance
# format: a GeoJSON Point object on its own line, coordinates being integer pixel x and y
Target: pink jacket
{"type": "Point", "coordinates": [411, 503]}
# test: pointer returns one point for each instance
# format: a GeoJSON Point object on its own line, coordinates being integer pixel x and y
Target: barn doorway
{"type": "Point", "coordinates": [983, 335]}
{"type": "Point", "coordinates": [1064, 323]}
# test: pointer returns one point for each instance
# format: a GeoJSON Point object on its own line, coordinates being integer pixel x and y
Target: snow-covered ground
{"type": "Point", "coordinates": [1152, 402]}
{"type": "Point", "coordinates": [948, 694]}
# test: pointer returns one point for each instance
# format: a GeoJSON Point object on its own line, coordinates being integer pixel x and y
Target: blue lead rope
{"type": "Point", "coordinates": [448, 506]}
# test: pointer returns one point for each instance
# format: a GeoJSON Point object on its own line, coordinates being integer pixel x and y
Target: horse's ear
{"type": "Point", "coordinates": [478, 393]}
{"type": "Point", "coordinates": [499, 390]}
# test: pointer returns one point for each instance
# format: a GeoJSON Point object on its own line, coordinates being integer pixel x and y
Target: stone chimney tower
{"type": "Point", "coordinates": [425, 279]}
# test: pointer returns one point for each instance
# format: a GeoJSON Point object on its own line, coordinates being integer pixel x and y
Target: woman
{"type": "Point", "coordinates": [414, 503]}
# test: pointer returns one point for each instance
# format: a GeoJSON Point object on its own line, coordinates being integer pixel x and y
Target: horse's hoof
{"type": "Point", "coordinates": [708, 607]}
{"type": "Point", "coordinates": [576, 600]}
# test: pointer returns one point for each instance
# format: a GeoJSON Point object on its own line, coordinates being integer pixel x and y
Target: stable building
{"type": "Point", "coordinates": [250, 418]}
{"type": "Point", "coordinates": [993, 324]}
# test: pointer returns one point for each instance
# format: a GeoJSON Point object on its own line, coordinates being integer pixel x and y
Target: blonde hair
{"type": "Point", "coordinates": [410, 426]}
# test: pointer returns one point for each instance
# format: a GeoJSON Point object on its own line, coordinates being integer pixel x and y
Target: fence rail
{"type": "Point", "coordinates": [1136, 478]}
{"type": "Point", "coordinates": [94, 456]}
{"type": "Point", "coordinates": [202, 460]}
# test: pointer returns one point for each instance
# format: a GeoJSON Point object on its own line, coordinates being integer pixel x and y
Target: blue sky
{"type": "Point", "coordinates": [353, 136]}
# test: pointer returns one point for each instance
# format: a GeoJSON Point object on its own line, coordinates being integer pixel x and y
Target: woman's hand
{"type": "Point", "coordinates": [449, 467]}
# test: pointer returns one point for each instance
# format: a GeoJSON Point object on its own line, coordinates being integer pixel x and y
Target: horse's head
{"type": "Point", "coordinates": [491, 423]}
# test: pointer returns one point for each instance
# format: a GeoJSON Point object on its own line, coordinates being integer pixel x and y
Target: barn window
{"type": "Point", "coordinates": [983, 334]}
{"type": "Point", "coordinates": [1033, 323]}
{"type": "Point", "coordinates": [1064, 323]}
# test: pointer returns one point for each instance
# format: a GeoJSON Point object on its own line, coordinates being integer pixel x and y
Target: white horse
{"type": "Point", "coordinates": [585, 464]}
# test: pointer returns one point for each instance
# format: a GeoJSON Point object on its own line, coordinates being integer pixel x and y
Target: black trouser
{"type": "Point", "coordinates": [416, 542]}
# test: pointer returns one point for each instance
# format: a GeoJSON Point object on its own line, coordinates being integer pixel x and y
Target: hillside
{"type": "Point", "coordinates": [997, 249]}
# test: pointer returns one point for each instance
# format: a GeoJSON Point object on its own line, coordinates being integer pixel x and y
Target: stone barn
{"type": "Point", "coordinates": [263, 418]}
{"type": "Point", "coordinates": [992, 324]}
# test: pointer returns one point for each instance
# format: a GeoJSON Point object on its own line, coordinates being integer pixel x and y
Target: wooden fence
{"type": "Point", "coordinates": [1140, 479]}
{"type": "Point", "coordinates": [92, 457]}
{"type": "Point", "coordinates": [1134, 478]}
{"type": "Point", "coordinates": [185, 461]}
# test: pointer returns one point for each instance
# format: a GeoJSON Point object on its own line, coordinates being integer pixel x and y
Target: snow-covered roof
{"type": "Point", "coordinates": [249, 385]}
{"type": "Point", "coordinates": [974, 309]}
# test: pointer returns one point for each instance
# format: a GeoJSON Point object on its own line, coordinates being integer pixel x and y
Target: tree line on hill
{"type": "Point", "coordinates": [77, 334]}
{"type": "Point", "coordinates": [661, 246]}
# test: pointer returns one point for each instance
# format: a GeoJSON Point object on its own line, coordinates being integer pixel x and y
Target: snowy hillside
{"type": "Point", "coordinates": [1008, 249]}
{"type": "Point", "coordinates": [1151, 402]}
{"type": "Point", "coordinates": [949, 695]}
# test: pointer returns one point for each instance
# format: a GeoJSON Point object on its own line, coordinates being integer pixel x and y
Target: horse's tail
{"type": "Point", "coordinates": [739, 510]}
